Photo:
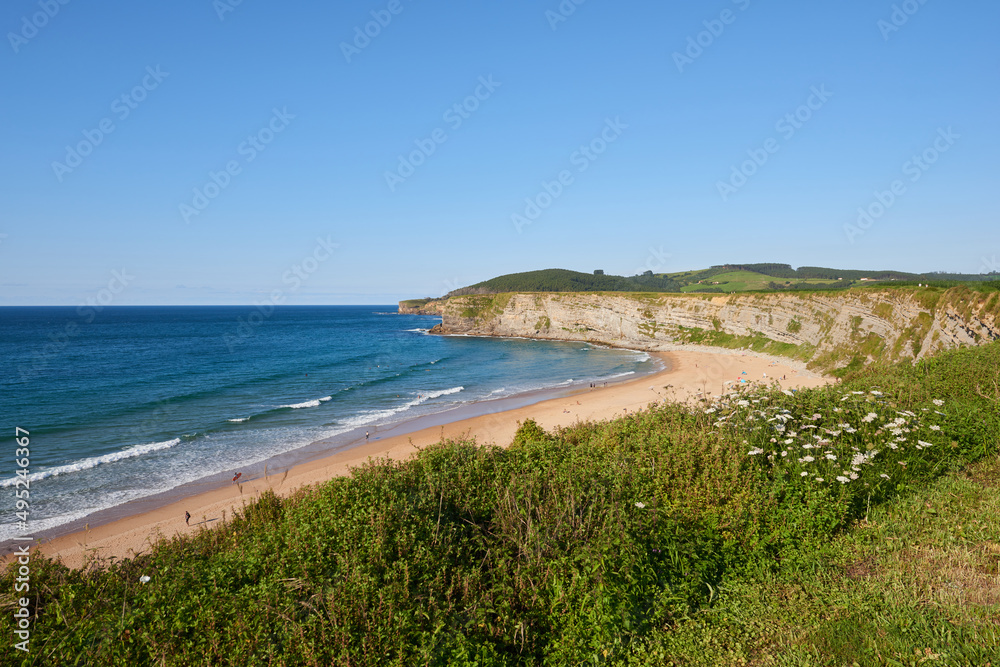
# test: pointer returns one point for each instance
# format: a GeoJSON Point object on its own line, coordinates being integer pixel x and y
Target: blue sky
{"type": "Point", "coordinates": [619, 136]}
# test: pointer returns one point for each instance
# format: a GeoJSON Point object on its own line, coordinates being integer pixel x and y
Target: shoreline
{"type": "Point", "coordinates": [689, 375]}
{"type": "Point", "coordinates": [324, 448]}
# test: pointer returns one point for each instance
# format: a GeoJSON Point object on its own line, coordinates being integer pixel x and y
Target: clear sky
{"type": "Point", "coordinates": [215, 152]}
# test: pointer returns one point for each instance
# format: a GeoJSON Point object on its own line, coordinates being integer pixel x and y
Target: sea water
{"type": "Point", "coordinates": [130, 402]}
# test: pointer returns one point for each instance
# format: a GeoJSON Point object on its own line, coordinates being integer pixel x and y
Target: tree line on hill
{"type": "Point", "coordinates": [822, 273]}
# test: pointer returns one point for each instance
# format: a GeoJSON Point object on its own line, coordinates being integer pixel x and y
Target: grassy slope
{"type": "Point", "coordinates": [653, 539]}
{"type": "Point", "coordinates": [744, 281]}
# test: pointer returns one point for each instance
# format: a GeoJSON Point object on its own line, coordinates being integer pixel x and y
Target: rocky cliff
{"type": "Point", "coordinates": [829, 330]}
{"type": "Point", "coordinates": [421, 307]}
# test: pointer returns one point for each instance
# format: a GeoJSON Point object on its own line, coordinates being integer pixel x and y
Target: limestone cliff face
{"type": "Point", "coordinates": [421, 307]}
{"type": "Point", "coordinates": [829, 330]}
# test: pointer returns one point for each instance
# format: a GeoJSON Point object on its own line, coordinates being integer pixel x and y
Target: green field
{"type": "Point", "coordinates": [743, 281]}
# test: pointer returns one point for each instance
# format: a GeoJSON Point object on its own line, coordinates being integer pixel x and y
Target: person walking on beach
{"type": "Point", "coordinates": [366, 436]}
{"type": "Point", "coordinates": [187, 518]}
{"type": "Point", "coordinates": [238, 475]}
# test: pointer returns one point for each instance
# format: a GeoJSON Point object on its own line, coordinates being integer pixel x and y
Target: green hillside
{"type": "Point", "coordinates": [561, 280]}
{"type": "Point", "coordinates": [744, 281]}
{"type": "Point", "coordinates": [776, 277]}
{"type": "Point", "coordinates": [724, 278]}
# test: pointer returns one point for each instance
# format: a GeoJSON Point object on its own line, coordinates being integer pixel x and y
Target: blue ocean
{"type": "Point", "coordinates": [130, 402]}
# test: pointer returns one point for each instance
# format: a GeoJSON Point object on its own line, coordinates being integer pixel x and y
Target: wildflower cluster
{"type": "Point", "coordinates": [856, 437]}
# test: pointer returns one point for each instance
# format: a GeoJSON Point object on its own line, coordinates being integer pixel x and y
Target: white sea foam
{"type": "Point", "coordinates": [93, 462]}
{"type": "Point", "coordinates": [239, 419]}
{"type": "Point", "coordinates": [443, 392]}
{"type": "Point", "coordinates": [382, 415]}
{"type": "Point", "coordinates": [307, 404]}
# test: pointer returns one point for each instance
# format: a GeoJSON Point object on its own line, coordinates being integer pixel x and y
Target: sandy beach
{"type": "Point", "coordinates": [692, 374]}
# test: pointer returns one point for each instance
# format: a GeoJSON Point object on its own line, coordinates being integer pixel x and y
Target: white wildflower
{"type": "Point", "coordinates": [806, 459]}
{"type": "Point", "coordinates": [869, 418]}
{"type": "Point", "coordinates": [935, 427]}
{"type": "Point", "coordinates": [803, 473]}
{"type": "Point", "coordinates": [884, 476]}
{"type": "Point", "coordinates": [832, 457]}
{"type": "Point", "coordinates": [640, 505]}
{"type": "Point", "coordinates": [842, 479]}
{"type": "Point", "coordinates": [709, 411]}
{"type": "Point", "coordinates": [938, 402]}
{"type": "Point", "coordinates": [925, 444]}
{"type": "Point", "coordinates": [755, 451]}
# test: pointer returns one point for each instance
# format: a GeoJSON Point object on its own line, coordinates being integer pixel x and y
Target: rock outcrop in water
{"type": "Point", "coordinates": [829, 330]}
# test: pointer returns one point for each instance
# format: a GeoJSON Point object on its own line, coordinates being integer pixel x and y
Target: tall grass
{"type": "Point", "coordinates": [604, 543]}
